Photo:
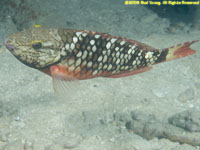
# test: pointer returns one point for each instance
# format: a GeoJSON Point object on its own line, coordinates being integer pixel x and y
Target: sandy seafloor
{"type": "Point", "coordinates": [31, 115]}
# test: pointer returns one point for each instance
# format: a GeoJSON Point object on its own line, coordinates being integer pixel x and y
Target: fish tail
{"type": "Point", "coordinates": [181, 50]}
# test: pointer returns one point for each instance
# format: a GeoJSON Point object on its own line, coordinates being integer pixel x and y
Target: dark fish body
{"type": "Point", "coordinates": [90, 54]}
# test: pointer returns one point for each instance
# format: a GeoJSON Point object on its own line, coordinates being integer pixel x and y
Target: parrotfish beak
{"type": "Point", "coordinates": [7, 45]}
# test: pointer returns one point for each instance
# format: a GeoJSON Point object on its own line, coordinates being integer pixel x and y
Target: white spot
{"type": "Point", "coordinates": [75, 39]}
{"type": "Point", "coordinates": [108, 45]}
{"type": "Point", "coordinates": [138, 62]}
{"type": "Point", "coordinates": [100, 58]}
{"type": "Point", "coordinates": [134, 62]}
{"type": "Point", "coordinates": [122, 42]}
{"type": "Point", "coordinates": [105, 66]}
{"type": "Point", "coordinates": [118, 61]}
{"type": "Point", "coordinates": [129, 57]}
{"type": "Point", "coordinates": [79, 54]}
{"type": "Point", "coordinates": [105, 58]}
{"type": "Point", "coordinates": [95, 72]}
{"type": "Point", "coordinates": [104, 52]}
{"type": "Point", "coordinates": [149, 55]}
{"type": "Point", "coordinates": [97, 36]}
{"type": "Point", "coordinates": [80, 38]}
{"type": "Point", "coordinates": [151, 60]}
{"type": "Point", "coordinates": [118, 53]}
{"type": "Point", "coordinates": [133, 47]}
{"type": "Point", "coordinates": [94, 48]}
{"type": "Point", "coordinates": [100, 65]}
{"type": "Point", "coordinates": [122, 55]}
{"type": "Point", "coordinates": [84, 34]}
{"type": "Point", "coordinates": [121, 49]}
{"type": "Point", "coordinates": [129, 51]}
{"type": "Point", "coordinates": [63, 52]}
{"type": "Point", "coordinates": [155, 58]}
{"type": "Point", "coordinates": [113, 40]}
{"type": "Point", "coordinates": [78, 62]}
{"type": "Point", "coordinates": [126, 68]}
{"type": "Point", "coordinates": [78, 33]}
{"type": "Point", "coordinates": [92, 42]}
{"type": "Point", "coordinates": [70, 62]}
{"type": "Point", "coordinates": [114, 71]}
{"type": "Point", "coordinates": [67, 46]}
{"type": "Point", "coordinates": [84, 54]}
{"type": "Point", "coordinates": [133, 51]}
{"type": "Point", "coordinates": [114, 59]}
{"type": "Point", "coordinates": [117, 48]}
{"type": "Point", "coordinates": [109, 67]}
{"type": "Point", "coordinates": [71, 68]}
{"type": "Point", "coordinates": [109, 52]}
{"type": "Point", "coordinates": [52, 52]}
{"type": "Point", "coordinates": [72, 46]}
{"type": "Point", "coordinates": [89, 64]}
{"type": "Point", "coordinates": [90, 53]}
{"type": "Point", "coordinates": [126, 56]}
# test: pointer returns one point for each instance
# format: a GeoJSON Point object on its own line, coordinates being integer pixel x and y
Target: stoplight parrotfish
{"type": "Point", "coordinates": [69, 55]}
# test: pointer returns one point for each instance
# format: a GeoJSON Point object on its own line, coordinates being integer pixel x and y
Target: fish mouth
{"type": "Point", "coordinates": [8, 46]}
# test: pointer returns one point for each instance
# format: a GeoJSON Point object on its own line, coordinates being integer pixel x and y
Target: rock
{"type": "Point", "coordinates": [139, 119]}
{"type": "Point", "coordinates": [18, 145]}
{"type": "Point", "coordinates": [158, 92]}
{"type": "Point", "coordinates": [136, 126]}
{"type": "Point", "coordinates": [171, 29]}
{"type": "Point", "coordinates": [181, 25]}
{"type": "Point", "coordinates": [187, 95]}
{"type": "Point", "coordinates": [148, 127]}
{"type": "Point", "coordinates": [140, 116]}
{"type": "Point", "coordinates": [69, 141]}
{"type": "Point", "coordinates": [121, 117]}
{"type": "Point", "coordinates": [175, 134]}
{"type": "Point", "coordinates": [188, 120]}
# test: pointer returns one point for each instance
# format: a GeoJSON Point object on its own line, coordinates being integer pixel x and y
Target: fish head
{"type": "Point", "coordinates": [36, 47]}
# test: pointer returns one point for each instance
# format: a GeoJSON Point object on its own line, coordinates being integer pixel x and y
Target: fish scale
{"type": "Point", "coordinates": [110, 51]}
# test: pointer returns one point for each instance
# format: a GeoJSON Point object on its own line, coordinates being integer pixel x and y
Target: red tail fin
{"type": "Point", "coordinates": [180, 50]}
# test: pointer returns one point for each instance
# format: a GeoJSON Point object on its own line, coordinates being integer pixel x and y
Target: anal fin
{"type": "Point", "coordinates": [129, 73]}
{"type": "Point", "coordinates": [64, 84]}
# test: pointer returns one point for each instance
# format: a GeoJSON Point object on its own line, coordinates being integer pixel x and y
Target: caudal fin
{"type": "Point", "coordinates": [180, 50]}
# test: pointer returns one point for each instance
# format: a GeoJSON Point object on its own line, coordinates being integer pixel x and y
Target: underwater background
{"type": "Point", "coordinates": [155, 110]}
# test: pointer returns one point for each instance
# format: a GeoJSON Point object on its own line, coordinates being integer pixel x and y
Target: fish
{"type": "Point", "coordinates": [69, 55]}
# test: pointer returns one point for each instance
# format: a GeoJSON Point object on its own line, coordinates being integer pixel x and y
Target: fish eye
{"type": "Point", "coordinates": [37, 45]}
